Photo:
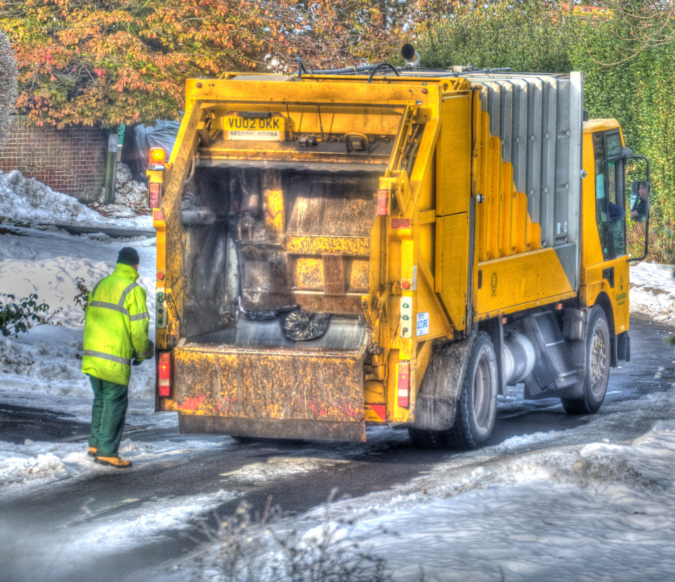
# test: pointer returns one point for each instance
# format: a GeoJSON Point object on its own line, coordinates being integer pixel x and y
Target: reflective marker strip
{"type": "Point", "coordinates": [103, 356]}
{"type": "Point", "coordinates": [126, 292]}
{"type": "Point", "coordinates": [119, 306]}
{"type": "Point", "coordinates": [112, 306]}
{"type": "Point", "coordinates": [139, 316]}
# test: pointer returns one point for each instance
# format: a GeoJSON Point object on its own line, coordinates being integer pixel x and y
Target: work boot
{"type": "Point", "coordinates": [116, 462]}
{"type": "Point", "coordinates": [92, 451]}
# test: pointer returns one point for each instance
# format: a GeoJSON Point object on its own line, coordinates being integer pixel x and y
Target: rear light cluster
{"type": "Point", "coordinates": [382, 202]}
{"type": "Point", "coordinates": [404, 384]}
{"type": "Point", "coordinates": [154, 194]}
{"type": "Point", "coordinates": [164, 374]}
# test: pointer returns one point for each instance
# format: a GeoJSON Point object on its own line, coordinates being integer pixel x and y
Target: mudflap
{"type": "Point", "coordinates": [276, 392]}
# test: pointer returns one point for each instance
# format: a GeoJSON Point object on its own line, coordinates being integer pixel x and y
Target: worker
{"type": "Point", "coordinates": [115, 338]}
{"type": "Point", "coordinates": [639, 209]}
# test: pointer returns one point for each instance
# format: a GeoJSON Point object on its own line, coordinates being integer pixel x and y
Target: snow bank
{"type": "Point", "coordinates": [131, 197]}
{"type": "Point", "coordinates": [558, 514]}
{"type": "Point", "coordinates": [47, 360]}
{"type": "Point", "coordinates": [28, 201]}
{"type": "Point", "coordinates": [652, 291]}
{"type": "Point", "coordinates": [32, 464]}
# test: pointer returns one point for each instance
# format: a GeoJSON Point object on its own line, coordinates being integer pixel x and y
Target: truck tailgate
{"type": "Point", "coordinates": [281, 391]}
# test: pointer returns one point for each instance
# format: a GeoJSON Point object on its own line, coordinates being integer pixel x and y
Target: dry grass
{"type": "Point", "coordinates": [253, 548]}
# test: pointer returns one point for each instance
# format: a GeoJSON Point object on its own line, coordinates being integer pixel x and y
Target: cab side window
{"type": "Point", "coordinates": [610, 213]}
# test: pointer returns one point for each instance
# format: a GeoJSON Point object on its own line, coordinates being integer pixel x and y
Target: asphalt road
{"type": "Point", "coordinates": [34, 530]}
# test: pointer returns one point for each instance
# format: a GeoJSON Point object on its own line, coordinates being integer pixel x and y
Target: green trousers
{"type": "Point", "coordinates": [107, 416]}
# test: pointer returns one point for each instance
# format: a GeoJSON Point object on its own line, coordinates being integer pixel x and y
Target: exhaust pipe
{"type": "Point", "coordinates": [408, 52]}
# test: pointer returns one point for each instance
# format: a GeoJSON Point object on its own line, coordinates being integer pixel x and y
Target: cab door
{"type": "Point", "coordinates": [605, 250]}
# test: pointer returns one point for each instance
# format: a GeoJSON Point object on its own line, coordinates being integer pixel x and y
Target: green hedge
{"type": "Point", "coordinates": [630, 80]}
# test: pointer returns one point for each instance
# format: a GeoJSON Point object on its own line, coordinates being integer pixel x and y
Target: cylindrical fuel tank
{"type": "Point", "coordinates": [519, 357]}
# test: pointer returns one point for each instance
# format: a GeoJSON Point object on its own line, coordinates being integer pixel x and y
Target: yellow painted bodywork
{"type": "Point", "coordinates": [593, 285]}
{"type": "Point", "coordinates": [421, 251]}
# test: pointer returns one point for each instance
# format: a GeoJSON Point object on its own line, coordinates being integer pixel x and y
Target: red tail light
{"type": "Point", "coordinates": [164, 374]}
{"type": "Point", "coordinates": [403, 384]}
{"type": "Point", "coordinates": [154, 194]}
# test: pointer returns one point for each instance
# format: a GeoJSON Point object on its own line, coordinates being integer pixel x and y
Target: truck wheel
{"type": "Point", "coordinates": [477, 404]}
{"type": "Point", "coordinates": [597, 366]}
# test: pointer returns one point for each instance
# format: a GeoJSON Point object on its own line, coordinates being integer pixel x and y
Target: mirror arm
{"type": "Point", "coordinates": [644, 256]}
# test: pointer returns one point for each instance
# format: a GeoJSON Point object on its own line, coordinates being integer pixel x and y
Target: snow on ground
{"type": "Point", "coordinates": [652, 291]}
{"type": "Point", "coordinates": [601, 512]}
{"type": "Point", "coordinates": [256, 473]}
{"type": "Point", "coordinates": [100, 530]}
{"type": "Point", "coordinates": [31, 464]}
{"type": "Point", "coordinates": [597, 512]}
{"type": "Point", "coordinates": [131, 197]}
{"type": "Point", "coordinates": [26, 200]}
{"type": "Point", "coordinates": [42, 368]}
{"type": "Point", "coordinates": [47, 359]}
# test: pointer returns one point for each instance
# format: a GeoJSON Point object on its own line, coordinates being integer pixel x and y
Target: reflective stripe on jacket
{"type": "Point", "coordinates": [115, 326]}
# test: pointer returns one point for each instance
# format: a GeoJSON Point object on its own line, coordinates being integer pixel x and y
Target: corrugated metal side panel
{"type": "Point", "coordinates": [539, 121]}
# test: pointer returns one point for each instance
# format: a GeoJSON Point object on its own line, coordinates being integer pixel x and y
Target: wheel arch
{"type": "Point", "coordinates": [436, 401]}
{"type": "Point", "coordinates": [604, 302]}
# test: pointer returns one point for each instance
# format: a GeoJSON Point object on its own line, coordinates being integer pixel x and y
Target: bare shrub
{"type": "Point", "coordinates": [8, 91]}
{"type": "Point", "coordinates": [254, 548]}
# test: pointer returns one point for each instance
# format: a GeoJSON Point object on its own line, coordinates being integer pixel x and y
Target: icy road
{"type": "Point", "coordinates": [554, 496]}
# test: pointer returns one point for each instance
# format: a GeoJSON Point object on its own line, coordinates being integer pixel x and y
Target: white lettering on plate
{"type": "Point", "coordinates": [255, 135]}
{"type": "Point", "coordinates": [422, 323]}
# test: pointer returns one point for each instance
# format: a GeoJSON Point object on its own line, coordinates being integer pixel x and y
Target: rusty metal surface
{"type": "Point", "coordinates": [273, 428]}
{"type": "Point", "coordinates": [437, 399]}
{"type": "Point", "coordinates": [270, 383]}
{"type": "Point", "coordinates": [342, 334]}
{"type": "Point", "coordinates": [312, 244]}
{"type": "Point", "coordinates": [331, 206]}
{"type": "Point", "coordinates": [296, 165]}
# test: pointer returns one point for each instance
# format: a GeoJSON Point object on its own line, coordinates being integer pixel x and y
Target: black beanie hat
{"type": "Point", "coordinates": [129, 256]}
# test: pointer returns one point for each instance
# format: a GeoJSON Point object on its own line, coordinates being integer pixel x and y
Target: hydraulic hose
{"type": "Point", "coordinates": [381, 66]}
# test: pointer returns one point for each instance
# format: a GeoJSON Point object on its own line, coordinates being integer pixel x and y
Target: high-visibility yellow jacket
{"type": "Point", "coordinates": [115, 326]}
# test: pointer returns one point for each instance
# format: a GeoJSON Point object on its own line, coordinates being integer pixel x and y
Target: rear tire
{"type": "Point", "coordinates": [597, 366]}
{"type": "Point", "coordinates": [477, 405]}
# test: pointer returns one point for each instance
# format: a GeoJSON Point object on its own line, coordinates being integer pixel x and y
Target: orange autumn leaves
{"type": "Point", "coordinates": [121, 61]}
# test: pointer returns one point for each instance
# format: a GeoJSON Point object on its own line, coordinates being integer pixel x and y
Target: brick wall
{"type": "Point", "coordinates": [70, 160]}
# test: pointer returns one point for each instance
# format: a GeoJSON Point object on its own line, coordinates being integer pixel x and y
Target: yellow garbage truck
{"type": "Point", "coordinates": [387, 245]}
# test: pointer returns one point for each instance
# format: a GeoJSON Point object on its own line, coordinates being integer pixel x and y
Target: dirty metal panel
{"type": "Point", "coordinates": [308, 273]}
{"type": "Point", "coordinates": [270, 384]}
{"type": "Point", "coordinates": [334, 275]}
{"type": "Point", "coordinates": [323, 245]}
{"type": "Point", "coordinates": [358, 274]}
{"type": "Point", "coordinates": [331, 208]}
{"type": "Point", "coordinates": [343, 333]}
{"type": "Point", "coordinates": [295, 165]}
{"type": "Point", "coordinates": [273, 428]}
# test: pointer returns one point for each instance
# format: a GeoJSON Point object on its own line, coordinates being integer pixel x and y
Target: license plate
{"type": "Point", "coordinates": [255, 128]}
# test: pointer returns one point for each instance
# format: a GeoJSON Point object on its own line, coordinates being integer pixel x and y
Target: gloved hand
{"type": "Point", "coordinates": [149, 353]}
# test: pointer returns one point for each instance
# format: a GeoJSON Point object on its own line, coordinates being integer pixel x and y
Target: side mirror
{"type": "Point", "coordinates": [639, 201]}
